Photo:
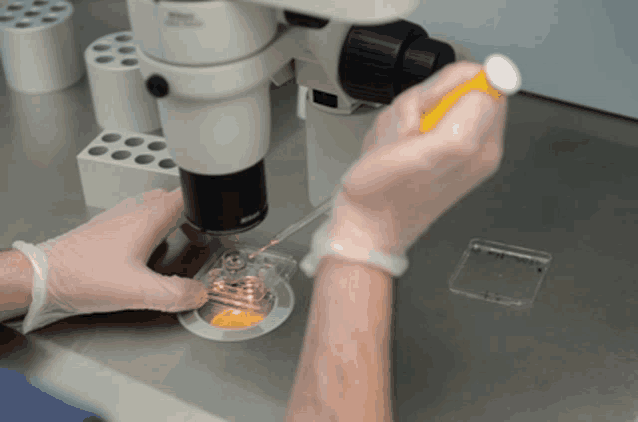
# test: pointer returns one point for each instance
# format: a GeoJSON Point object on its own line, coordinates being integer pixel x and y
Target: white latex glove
{"type": "Point", "coordinates": [101, 267]}
{"type": "Point", "coordinates": [405, 180]}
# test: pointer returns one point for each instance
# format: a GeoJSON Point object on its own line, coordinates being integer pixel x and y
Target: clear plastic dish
{"type": "Point", "coordinates": [255, 289]}
{"type": "Point", "coordinates": [499, 273]}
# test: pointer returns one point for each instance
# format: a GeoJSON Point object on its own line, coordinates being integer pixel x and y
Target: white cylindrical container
{"type": "Point", "coordinates": [120, 98]}
{"type": "Point", "coordinates": [39, 51]}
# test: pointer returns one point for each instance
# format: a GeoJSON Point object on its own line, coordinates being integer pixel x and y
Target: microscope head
{"type": "Point", "coordinates": [362, 12]}
{"type": "Point", "coordinates": [210, 66]}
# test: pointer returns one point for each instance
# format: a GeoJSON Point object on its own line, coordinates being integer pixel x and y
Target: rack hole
{"type": "Point", "coordinates": [15, 7]}
{"type": "Point", "coordinates": [120, 155]}
{"type": "Point", "coordinates": [123, 38]}
{"type": "Point", "coordinates": [101, 47]}
{"type": "Point", "coordinates": [31, 13]}
{"type": "Point", "coordinates": [6, 18]}
{"type": "Point", "coordinates": [157, 146]}
{"type": "Point", "coordinates": [58, 8]}
{"type": "Point", "coordinates": [48, 19]}
{"type": "Point", "coordinates": [40, 3]}
{"type": "Point", "coordinates": [111, 137]}
{"type": "Point", "coordinates": [104, 59]}
{"type": "Point", "coordinates": [129, 62]}
{"type": "Point", "coordinates": [126, 50]}
{"type": "Point", "coordinates": [133, 142]}
{"type": "Point", "coordinates": [144, 159]}
{"type": "Point", "coordinates": [98, 150]}
{"type": "Point", "coordinates": [23, 25]}
{"type": "Point", "coordinates": [167, 163]}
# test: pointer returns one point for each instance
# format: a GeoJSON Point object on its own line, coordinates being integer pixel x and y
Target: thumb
{"type": "Point", "coordinates": [171, 293]}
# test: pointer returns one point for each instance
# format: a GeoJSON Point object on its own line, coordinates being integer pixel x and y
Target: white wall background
{"type": "Point", "coordinates": [581, 51]}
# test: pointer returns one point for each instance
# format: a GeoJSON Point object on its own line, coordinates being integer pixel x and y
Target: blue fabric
{"type": "Point", "coordinates": [22, 402]}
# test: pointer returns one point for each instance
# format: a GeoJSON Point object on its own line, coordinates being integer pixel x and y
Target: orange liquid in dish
{"type": "Point", "coordinates": [233, 318]}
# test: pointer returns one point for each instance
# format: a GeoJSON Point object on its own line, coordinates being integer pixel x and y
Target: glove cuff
{"type": "Point", "coordinates": [322, 246]}
{"type": "Point", "coordinates": [39, 262]}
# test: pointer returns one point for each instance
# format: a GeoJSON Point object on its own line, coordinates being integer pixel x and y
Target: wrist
{"type": "Point", "coordinates": [352, 246]}
{"type": "Point", "coordinates": [16, 279]}
{"type": "Point", "coordinates": [352, 307]}
{"type": "Point", "coordinates": [333, 263]}
{"type": "Point", "coordinates": [347, 340]}
{"type": "Point", "coordinates": [361, 227]}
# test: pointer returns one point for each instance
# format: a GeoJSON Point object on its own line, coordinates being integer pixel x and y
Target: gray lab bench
{"type": "Point", "coordinates": [568, 185]}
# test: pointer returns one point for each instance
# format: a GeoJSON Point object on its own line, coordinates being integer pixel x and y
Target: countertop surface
{"type": "Point", "coordinates": [567, 185]}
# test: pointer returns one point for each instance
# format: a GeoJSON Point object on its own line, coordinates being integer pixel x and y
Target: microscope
{"type": "Point", "coordinates": [210, 63]}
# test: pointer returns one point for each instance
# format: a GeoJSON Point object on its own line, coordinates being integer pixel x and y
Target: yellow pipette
{"type": "Point", "coordinates": [499, 76]}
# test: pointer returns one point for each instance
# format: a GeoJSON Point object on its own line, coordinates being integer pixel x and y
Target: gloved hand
{"type": "Point", "coordinates": [101, 266]}
{"type": "Point", "coordinates": [404, 180]}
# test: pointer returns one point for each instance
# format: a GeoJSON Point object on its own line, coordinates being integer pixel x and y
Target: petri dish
{"type": "Point", "coordinates": [499, 273]}
{"type": "Point", "coordinates": [248, 297]}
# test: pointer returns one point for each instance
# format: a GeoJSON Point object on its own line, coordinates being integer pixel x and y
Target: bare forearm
{"type": "Point", "coordinates": [345, 368]}
{"type": "Point", "coordinates": [16, 280]}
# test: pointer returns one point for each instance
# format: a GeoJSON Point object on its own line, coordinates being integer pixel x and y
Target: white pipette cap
{"type": "Point", "coordinates": [502, 74]}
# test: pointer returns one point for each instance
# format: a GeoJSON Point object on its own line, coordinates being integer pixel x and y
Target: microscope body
{"type": "Point", "coordinates": [210, 65]}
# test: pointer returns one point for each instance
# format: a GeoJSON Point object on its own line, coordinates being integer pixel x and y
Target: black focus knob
{"type": "Point", "coordinates": [377, 63]}
{"type": "Point", "coordinates": [157, 86]}
{"type": "Point", "coordinates": [423, 57]}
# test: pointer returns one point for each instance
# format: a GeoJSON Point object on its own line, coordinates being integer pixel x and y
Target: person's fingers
{"type": "Point", "coordinates": [171, 206]}
{"type": "Point", "coordinates": [154, 194]}
{"type": "Point", "coordinates": [403, 116]}
{"type": "Point", "coordinates": [411, 104]}
{"type": "Point", "coordinates": [169, 293]}
{"type": "Point", "coordinates": [457, 137]}
{"type": "Point", "coordinates": [384, 128]}
{"type": "Point", "coordinates": [165, 211]}
{"type": "Point", "coordinates": [158, 194]}
{"type": "Point", "coordinates": [464, 126]}
{"type": "Point", "coordinates": [380, 168]}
